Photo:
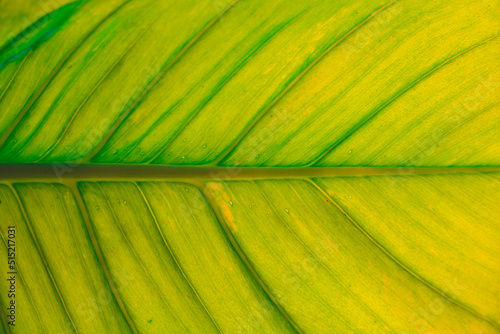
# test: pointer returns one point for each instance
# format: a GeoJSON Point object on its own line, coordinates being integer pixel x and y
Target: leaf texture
{"type": "Point", "coordinates": [200, 91]}
{"type": "Point", "coordinates": [210, 257]}
{"type": "Point", "coordinates": [306, 83]}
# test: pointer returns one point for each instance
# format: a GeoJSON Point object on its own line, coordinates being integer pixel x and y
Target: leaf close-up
{"type": "Point", "coordinates": [250, 166]}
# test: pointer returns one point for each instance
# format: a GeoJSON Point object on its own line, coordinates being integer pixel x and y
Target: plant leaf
{"type": "Point", "coordinates": [214, 87]}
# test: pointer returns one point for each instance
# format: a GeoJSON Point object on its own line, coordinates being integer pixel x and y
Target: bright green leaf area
{"type": "Point", "coordinates": [228, 85]}
{"type": "Point", "coordinates": [269, 83]}
{"type": "Point", "coordinates": [17, 17]}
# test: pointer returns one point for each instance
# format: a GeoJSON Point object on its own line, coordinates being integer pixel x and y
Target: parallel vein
{"type": "Point", "coordinates": [52, 75]}
{"type": "Point", "coordinates": [398, 262]}
{"type": "Point", "coordinates": [242, 256]}
{"type": "Point", "coordinates": [174, 257]}
{"type": "Point", "coordinates": [153, 83]}
{"type": "Point", "coordinates": [85, 216]}
{"type": "Point", "coordinates": [292, 83]}
{"type": "Point", "coordinates": [223, 83]}
{"type": "Point", "coordinates": [42, 256]}
{"type": "Point", "coordinates": [374, 113]}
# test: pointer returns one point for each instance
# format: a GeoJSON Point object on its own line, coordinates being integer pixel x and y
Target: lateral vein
{"type": "Point", "coordinates": [376, 112]}
{"type": "Point", "coordinates": [85, 216]}
{"type": "Point", "coordinates": [31, 101]}
{"type": "Point", "coordinates": [40, 252]}
{"type": "Point", "coordinates": [399, 263]}
{"type": "Point", "coordinates": [146, 201]}
{"type": "Point", "coordinates": [244, 259]}
{"type": "Point", "coordinates": [267, 108]}
{"type": "Point", "coordinates": [153, 83]}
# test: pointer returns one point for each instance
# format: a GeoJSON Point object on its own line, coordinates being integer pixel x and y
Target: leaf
{"type": "Point", "coordinates": [17, 17]}
{"type": "Point", "coordinates": [250, 166]}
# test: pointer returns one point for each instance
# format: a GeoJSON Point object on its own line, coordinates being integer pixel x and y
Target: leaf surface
{"type": "Point", "coordinates": [197, 92]}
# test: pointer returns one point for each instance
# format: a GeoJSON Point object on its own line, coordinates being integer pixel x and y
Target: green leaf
{"type": "Point", "coordinates": [250, 166]}
{"type": "Point", "coordinates": [18, 18]}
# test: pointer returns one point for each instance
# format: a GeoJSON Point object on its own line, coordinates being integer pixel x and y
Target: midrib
{"type": "Point", "coordinates": [62, 172]}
